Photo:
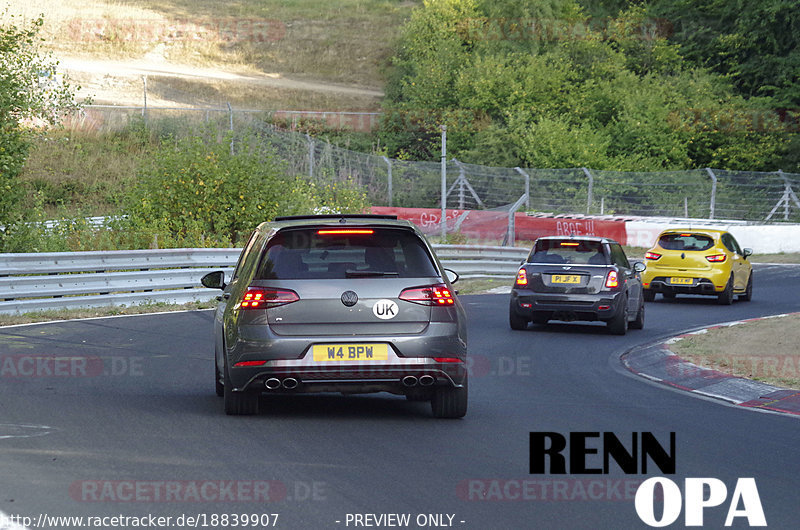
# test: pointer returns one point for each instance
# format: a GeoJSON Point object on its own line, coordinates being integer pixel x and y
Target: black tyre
{"type": "Point", "coordinates": [618, 325]}
{"type": "Point", "coordinates": [638, 323]}
{"type": "Point", "coordinates": [218, 386]}
{"type": "Point", "coordinates": [238, 403]}
{"type": "Point", "coordinates": [726, 296]}
{"type": "Point", "coordinates": [649, 295]}
{"type": "Point", "coordinates": [516, 321]}
{"type": "Point", "coordinates": [449, 402]}
{"type": "Point", "coordinates": [748, 292]}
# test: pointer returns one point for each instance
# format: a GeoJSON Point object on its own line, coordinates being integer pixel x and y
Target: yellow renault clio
{"type": "Point", "coordinates": [690, 261]}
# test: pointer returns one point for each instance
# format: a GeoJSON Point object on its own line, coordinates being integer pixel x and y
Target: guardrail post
{"type": "Point", "coordinates": [591, 186]}
{"type": "Point", "coordinates": [713, 204]}
{"type": "Point", "coordinates": [389, 178]}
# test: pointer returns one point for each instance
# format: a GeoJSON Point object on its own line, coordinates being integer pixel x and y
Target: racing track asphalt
{"type": "Point", "coordinates": [158, 419]}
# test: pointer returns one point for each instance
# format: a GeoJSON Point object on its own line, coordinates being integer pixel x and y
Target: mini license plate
{"type": "Point", "coordinates": [350, 352]}
{"type": "Point", "coordinates": [565, 278]}
{"type": "Point", "coordinates": [681, 281]}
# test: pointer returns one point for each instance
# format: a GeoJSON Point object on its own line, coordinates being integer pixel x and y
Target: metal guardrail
{"type": "Point", "coordinates": [69, 280]}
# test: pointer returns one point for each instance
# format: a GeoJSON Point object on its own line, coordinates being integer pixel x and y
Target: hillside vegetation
{"type": "Point", "coordinates": [544, 85]}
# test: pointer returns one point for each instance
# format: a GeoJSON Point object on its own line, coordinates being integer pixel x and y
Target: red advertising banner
{"type": "Point", "coordinates": [493, 225]}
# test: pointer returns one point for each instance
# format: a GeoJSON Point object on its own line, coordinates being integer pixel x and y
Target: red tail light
{"type": "Point", "coordinates": [611, 280]}
{"type": "Point", "coordinates": [652, 255]}
{"type": "Point", "coordinates": [717, 258]}
{"type": "Point", "coordinates": [263, 297]}
{"type": "Point", "coordinates": [448, 360]}
{"type": "Point", "coordinates": [438, 295]}
{"type": "Point", "coordinates": [522, 277]}
{"type": "Point", "coordinates": [251, 363]}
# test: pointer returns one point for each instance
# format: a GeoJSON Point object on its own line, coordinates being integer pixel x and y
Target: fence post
{"type": "Point", "coordinates": [510, 238]}
{"type": "Point", "coordinates": [443, 221]}
{"type": "Point", "coordinates": [591, 186]}
{"type": "Point", "coordinates": [144, 109]}
{"type": "Point", "coordinates": [527, 186]}
{"type": "Point", "coordinates": [788, 195]}
{"type": "Point", "coordinates": [713, 204]}
{"type": "Point", "coordinates": [389, 178]}
{"type": "Point", "coordinates": [230, 115]}
{"type": "Point", "coordinates": [310, 156]}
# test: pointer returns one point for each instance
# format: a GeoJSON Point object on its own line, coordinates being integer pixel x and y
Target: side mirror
{"type": "Point", "coordinates": [747, 252]}
{"type": "Point", "coordinates": [452, 276]}
{"type": "Point", "coordinates": [639, 266]}
{"type": "Point", "coordinates": [214, 280]}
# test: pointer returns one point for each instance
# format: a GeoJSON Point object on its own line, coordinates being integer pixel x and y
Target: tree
{"type": "Point", "coordinates": [548, 87]}
{"type": "Point", "coordinates": [32, 93]}
{"type": "Point", "coordinates": [754, 42]}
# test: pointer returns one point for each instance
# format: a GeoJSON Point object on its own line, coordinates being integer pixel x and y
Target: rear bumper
{"type": "Point", "coordinates": [290, 357]}
{"type": "Point", "coordinates": [661, 284]}
{"type": "Point", "coordinates": [397, 378]}
{"type": "Point", "coordinates": [547, 306]}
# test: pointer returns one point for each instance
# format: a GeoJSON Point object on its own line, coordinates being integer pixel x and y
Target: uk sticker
{"type": "Point", "coordinates": [385, 309]}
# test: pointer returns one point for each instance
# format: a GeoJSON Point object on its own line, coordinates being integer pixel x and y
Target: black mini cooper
{"type": "Point", "coordinates": [572, 278]}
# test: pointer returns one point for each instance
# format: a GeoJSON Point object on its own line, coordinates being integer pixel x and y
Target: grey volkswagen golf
{"type": "Point", "coordinates": [339, 303]}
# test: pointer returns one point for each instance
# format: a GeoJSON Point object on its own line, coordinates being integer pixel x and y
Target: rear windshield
{"type": "Point", "coordinates": [685, 242]}
{"type": "Point", "coordinates": [295, 254]}
{"type": "Point", "coordinates": [568, 251]}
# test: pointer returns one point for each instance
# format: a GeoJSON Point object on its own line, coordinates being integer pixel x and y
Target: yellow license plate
{"type": "Point", "coordinates": [681, 281]}
{"type": "Point", "coordinates": [565, 278]}
{"type": "Point", "coordinates": [350, 352]}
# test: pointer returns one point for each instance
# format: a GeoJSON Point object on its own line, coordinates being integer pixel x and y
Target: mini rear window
{"type": "Point", "coordinates": [568, 251]}
{"type": "Point", "coordinates": [685, 242]}
{"type": "Point", "coordinates": [350, 252]}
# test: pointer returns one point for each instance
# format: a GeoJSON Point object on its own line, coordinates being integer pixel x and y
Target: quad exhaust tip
{"type": "Point", "coordinates": [273, 383]}
{"type": "Point", "coordinates": [426, 380]}
{"type": "Point", "coordinates": [410, 380]}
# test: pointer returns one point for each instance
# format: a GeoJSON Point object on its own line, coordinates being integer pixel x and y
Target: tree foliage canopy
{"type": "Point", "coordinates": [545, 85]}
{"type": "Point", "coordinates": [31, 92]}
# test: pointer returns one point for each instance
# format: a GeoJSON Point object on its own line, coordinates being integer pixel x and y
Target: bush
{"type": "Point", "coordinates": [196, 191]}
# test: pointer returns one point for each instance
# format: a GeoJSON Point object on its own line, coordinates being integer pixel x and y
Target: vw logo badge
{"type": "Point", "coordinates": [349, 298]}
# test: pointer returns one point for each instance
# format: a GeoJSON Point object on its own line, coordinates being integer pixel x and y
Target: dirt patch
{"type": "Point", "coordinates": [763, 350]}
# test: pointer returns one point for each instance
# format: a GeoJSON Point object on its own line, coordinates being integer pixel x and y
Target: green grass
{"type": "Point", "coordinates": [82, 173]}
{"type": "Point", "coordinates": [69, 314]}
{"type": "Point", "coordinates": [765, 350]}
